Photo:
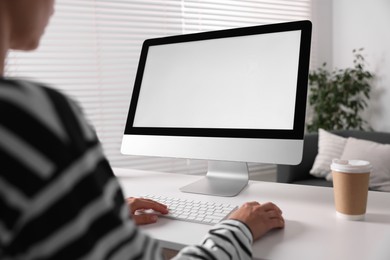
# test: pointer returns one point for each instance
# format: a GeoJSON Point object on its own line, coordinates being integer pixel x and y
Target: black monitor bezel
{"type": "Point", "coordinates": [302, 80]}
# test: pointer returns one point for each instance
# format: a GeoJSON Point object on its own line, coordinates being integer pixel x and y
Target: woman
{"type": "Point", "coordinates": [58, 196]}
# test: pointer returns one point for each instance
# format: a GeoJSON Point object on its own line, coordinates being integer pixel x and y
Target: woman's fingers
{"type": "Point", "coordinates": [140, 203]}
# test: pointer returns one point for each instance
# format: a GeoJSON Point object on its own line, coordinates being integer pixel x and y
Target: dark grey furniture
{"type": "Point", "coordinates": [299, 174]}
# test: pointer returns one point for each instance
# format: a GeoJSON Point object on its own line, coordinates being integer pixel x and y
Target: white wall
{"type": "Point", "coordinates": [365, 23]}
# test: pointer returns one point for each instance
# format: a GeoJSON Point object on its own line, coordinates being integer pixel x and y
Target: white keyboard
{"type": "Point", "coordinates": [204, 212]}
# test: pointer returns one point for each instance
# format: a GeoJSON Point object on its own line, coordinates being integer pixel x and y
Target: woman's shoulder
{"type": "Point", "coordinates": [34, 102]}
{"type": "Point", "coordinates": [42, 109]}
{"type": "Point", "coordinates": [23, 87]}
{"type": "Point", "coordinates": [31, 95]}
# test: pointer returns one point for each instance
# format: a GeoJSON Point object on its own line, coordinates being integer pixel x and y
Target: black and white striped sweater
{"type": "Point", "coordinates": [59, 198]}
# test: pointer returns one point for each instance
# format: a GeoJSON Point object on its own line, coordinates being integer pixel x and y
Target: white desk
{"type": "Point", "coordinates": [312, 230]}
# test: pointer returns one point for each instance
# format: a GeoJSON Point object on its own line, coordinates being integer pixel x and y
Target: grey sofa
{"type": "Point", "coordinates": [299, 174]}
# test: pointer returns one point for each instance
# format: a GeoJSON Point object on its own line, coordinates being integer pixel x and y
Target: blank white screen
{"type": "Point", "coordinates": [246, 82]}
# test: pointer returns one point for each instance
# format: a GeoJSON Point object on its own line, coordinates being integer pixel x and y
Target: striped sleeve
{"type": "Point", "coordinates": [229, 239]}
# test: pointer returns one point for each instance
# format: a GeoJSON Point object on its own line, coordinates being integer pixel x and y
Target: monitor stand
{"type": "Point", "coordinates": [224, 179]}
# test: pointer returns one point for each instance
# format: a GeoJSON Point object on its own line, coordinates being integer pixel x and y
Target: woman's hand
{"type": "Point", "coordinates": [139, 208]}
{"type": "Point", "coordinates": [260, 218]}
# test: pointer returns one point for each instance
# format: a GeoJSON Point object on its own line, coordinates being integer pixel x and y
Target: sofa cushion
{"type": "Point", "coordinates": [330, 146]}
{"type": "Point", "coordinates": [379, 157]}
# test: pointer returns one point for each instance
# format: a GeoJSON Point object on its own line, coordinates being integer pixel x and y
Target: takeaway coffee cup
{"type": "Point", "coordinates": [350, 187]}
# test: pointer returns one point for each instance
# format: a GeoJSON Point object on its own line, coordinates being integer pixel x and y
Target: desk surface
{"type": "Point", "coordinates": [312, 230]}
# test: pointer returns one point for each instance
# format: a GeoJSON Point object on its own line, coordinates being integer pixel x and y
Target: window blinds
{"type": "Point", "coordinates": [91, 48]}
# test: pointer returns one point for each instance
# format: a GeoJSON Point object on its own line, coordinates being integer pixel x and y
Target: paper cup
{"type": "Point", "coordinates": [350, 187]}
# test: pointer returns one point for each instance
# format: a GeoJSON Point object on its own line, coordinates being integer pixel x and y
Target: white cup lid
{"type": "Point", "coordinates": [350, 166]}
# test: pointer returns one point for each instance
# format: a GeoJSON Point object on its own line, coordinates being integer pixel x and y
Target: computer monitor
{"type": "Point", "coordinates": [230, 97]}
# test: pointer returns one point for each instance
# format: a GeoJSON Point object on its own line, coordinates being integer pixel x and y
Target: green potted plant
{"type": "Point", "coordinates": [337, 98]}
